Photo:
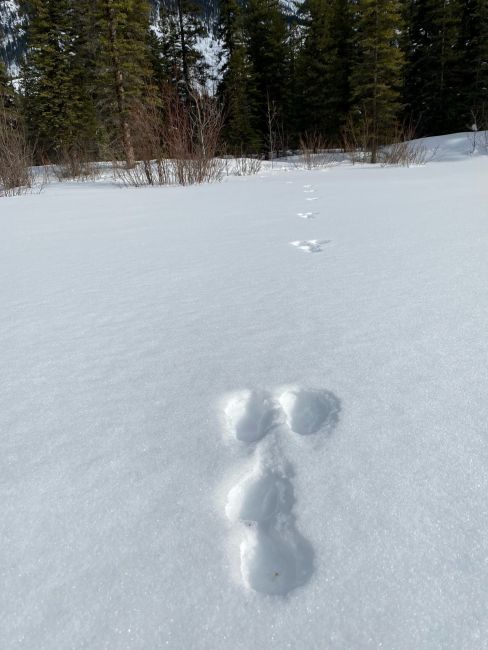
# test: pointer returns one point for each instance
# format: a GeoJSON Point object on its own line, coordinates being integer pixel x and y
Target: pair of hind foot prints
{"type": "Point", "coordinates": [274, 557]}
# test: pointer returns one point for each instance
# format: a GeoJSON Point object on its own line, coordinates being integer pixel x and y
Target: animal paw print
{"type": "Point", "coordinates": [309, 411]}
{"type": "Point", "coordinates": [274, 557]}
{"type": "Point", "coordinates": [310, 245]}
{"type": "Point", "coordinates": [306, 215]}
{"type": "Point", "coordinates": [251, 414]}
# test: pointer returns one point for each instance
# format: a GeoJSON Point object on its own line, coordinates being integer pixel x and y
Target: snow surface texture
{"type": "Point", "coordinates": [129, 320]}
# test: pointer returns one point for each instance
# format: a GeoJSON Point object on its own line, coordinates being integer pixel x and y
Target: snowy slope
{"type": "Point", "coordinates": [214, 439]}
{"type": "Point", "coordinates": [11, 39]}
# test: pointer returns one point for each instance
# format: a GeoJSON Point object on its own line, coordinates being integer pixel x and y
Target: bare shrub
{"type": "Point", "coordinates": [192, 138]}
{"type": "Point", "coordinates": [243, 166]}
{"type": "Point", "coordinates": [479, 132]}
{"type": "Point", "coordinates": [398, 147]}
{"type": "Point", "coordinates": [175, 141]}
{"type": "Point", "coordinates": [404, 150]}
{"type": "Point", "coordinates": [76, 163]}
{"type": "Point", "coordinates": [403, 154]}
{"type": "Point", "coordinates": [135, 176]}
{"type": "Point", "coordinates": [315, 151]}
{"type": "Point", "coordinates": [16, 156]}
{"type": "Point", "coordinates": [147, 132]}
{"type": "Point", "coordinates": [276, 138]}
{"type": "Point", "coordinates": [356, 138]}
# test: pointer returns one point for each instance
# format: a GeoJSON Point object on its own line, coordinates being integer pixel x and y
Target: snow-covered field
{"type": "Point", "coordinates": [212, 439]}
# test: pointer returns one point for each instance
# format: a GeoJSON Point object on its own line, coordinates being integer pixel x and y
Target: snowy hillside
{"type": "Point", "coordinates": [11, 44]}
{"type": "Point", "coordinates": [215, 439]}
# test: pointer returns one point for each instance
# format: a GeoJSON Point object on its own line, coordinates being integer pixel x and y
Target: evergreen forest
{"type": "Point", "coordinates": [108, 77]}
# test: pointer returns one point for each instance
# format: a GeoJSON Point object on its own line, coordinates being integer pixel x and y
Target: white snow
{"type": "Point", "coordinates": [212, 441]}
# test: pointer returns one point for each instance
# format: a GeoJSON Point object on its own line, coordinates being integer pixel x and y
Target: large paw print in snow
{"type": "Point", "coordinates": [259, 497]}
{"type": "Point", "coordinates": [250, 415]}
{"type": "Point", "coordinates": [274, 557]}
{"type": "Point", "coordinates": [275, 560]}
{"type": "Point", "coordinates": [308, 411]}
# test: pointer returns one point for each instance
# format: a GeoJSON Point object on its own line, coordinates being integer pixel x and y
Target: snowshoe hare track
{"type": "Point", "coordinates": [250, 415]}
{"type": "Point", "coordinates": [310, 245]}
{"type": "Point", "coordinates": [306, 215]}
{"type": "Point", "coordinates": [308, 411]}
{"type": "Point", "coordinates": [274, 557]}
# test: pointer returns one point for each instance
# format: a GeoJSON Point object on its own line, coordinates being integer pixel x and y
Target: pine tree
{"type": "Point", "coordinates": [433, 85]}
{"type": "Point", "coordinates": [376, 76]}
{"type": "Point", "coordinates": [237, 90]}
{"type": "Point", "coordinates": [5, 88]}
{"type": "Point", "coordinates": [58, 106]}
{"type": "Point", "coordinates": [123, 56]}
{"type": "Point", "coordinates": [323, 67]}
{"type": "Point", "coordinates": [12, 132]}
{"type": "Point", "coordinates": [266, 47]}
{"type": "Point", "coordinates": [12, 42]}
{"type": "Point", "coordinates": [3, 73]}
{"type": "Point", "coordinates": [473, 75]}
{"type": "Point", "coordinates": [180, 27]}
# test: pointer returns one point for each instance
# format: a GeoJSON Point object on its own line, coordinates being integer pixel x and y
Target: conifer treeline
{"type": "Point", "coordinates": [336, 66]}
